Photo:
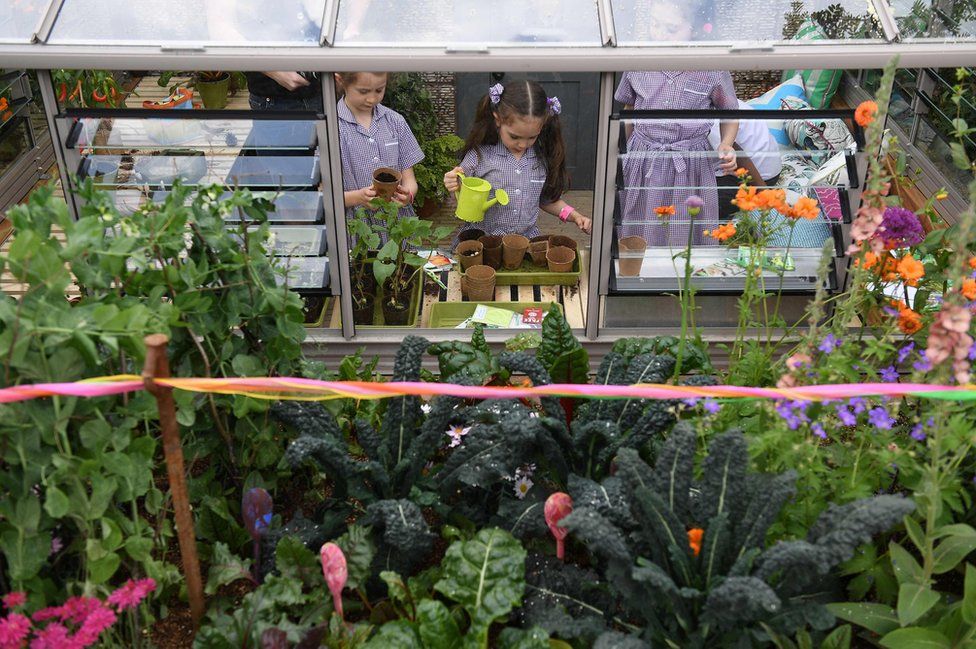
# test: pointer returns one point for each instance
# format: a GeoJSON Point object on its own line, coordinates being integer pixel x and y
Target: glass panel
{"type": "Point", "coordinates": [534, 171]}
{"type": "Point", "coordinates": [288, 22]}
{"type": "Point", "coordinates": [113, 133]}
{"type": "Point", "coordinates": [14, 142]}
{"type": "Point", "coordinates": [436, 23]}
{"type": "Point", "coordinates": [304, 272]}
{"type": "Point", "coordinates": [200, 169]}
{"type": "Point", "coordinates": [935, 19]}
{"type": "Point", "coordinates": [648, 22]}
{"type": "Point", "coordinates": [19, 19]}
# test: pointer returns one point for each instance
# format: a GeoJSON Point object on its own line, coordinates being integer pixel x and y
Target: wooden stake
{"type": "Point", "coordinates": [157, 366]}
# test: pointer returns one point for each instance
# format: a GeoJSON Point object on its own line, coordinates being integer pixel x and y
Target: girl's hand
{"type": "Point", "coordinates": [366, 194]}
{"type": "Point", "coordinates": [581, 222]}
{"type": "Point", "coordinates": [290, 81]}
{"type": "Point", "coordinates": [451, 181]}
{"type": "Point", "coordinates": [402, 196]}
{"type": "Point", "coordinates": [726, 157]}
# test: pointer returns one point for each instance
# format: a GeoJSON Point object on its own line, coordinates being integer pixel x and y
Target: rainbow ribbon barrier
{"type": "Point", "coordinates": [314, 390]}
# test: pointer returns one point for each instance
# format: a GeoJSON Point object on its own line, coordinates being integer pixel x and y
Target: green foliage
{"type": "Point", "coordinates": [171, 268]}
{"type": "Point", "coordinates": [724, 591]}
{"type": "Point", "coordinates": [695, 357]}
{"type": "Point", "coordinates": [485, 578]}
{"type": "Point", "coordinates": [560, 353]}
{"type": "Point", "coordinates": [440, 156]}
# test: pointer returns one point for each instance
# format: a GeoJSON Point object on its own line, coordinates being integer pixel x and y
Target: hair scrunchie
{"type": "Point", "coordinates": [495, 93]}
{"type": "Point", "coordinates": [554, 106]}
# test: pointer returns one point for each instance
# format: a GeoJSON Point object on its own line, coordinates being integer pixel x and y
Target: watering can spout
{"type": "Point", "coordinates": [501, 198]}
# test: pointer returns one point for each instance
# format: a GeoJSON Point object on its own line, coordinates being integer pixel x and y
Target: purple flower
{"type": "Point", "coordinates": [918, 433]}
{"type": "Point", "coordinates": [900, 227]}
{"type": "Point", "coordinates": [889, 374]}
{"type": "Point", "coordinates": [818, 430]}
{"type": "Point", "coordinates": [694, 201]}
{"type": "Point", "coordinates": [923, 364]}
{"type": "Point", "coordinates": [905, 351]}
{"type": "Point", "coordinates": [712, 406]}
{"type": "Point", "coordinates": [691, 402]}
{"type": "Point", "coordinates": [857, 403]}
{"type": "Point", "coordinates": [794, 413]}
{"type": "Point", "coordinates": [972, 353]}
{"type": "Point", "coordinates": [879, 418]}
{"type": "Point", "coordinates": [829, 343]}
{"type": "Point", "coordinates": [846, 417]}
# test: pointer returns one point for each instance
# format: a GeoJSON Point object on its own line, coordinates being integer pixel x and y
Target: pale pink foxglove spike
{"type": "Point", "coordinates": [558, 506]}
{"type": "Point", "coordinates": [336, 574]}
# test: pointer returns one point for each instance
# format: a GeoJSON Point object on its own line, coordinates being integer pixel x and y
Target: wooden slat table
{"type": "Point", "coordinates": [148, 89]}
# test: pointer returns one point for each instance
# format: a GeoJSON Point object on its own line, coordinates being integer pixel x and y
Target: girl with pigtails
{"type": "Point", "coordinates": [516, 144]}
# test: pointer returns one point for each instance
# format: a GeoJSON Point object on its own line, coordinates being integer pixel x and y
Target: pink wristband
{"type": "Point", "coordinates": [565, 212]}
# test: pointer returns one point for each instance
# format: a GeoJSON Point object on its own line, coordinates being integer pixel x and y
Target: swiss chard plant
{"type": "Point", "coordinates": [687, 559]}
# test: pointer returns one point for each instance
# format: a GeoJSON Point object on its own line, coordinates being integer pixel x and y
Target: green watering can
{"type": "Point", "coordinates": [473, 199]}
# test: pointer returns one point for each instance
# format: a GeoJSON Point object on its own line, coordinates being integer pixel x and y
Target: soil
{"type": "Point", "coordinates": [386, 178]}
{"type": "Point", "coordinates": [471, 253]}
{"type": "Point", "coordinates": [312, 308]}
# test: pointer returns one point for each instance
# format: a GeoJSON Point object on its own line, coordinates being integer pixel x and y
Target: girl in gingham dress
{"type": "Point", "coordinates": [516, 144]}
{"type": "Point", "coordinates": [372, 136]}
{"type": "Point", "coordinates": [669, 160]}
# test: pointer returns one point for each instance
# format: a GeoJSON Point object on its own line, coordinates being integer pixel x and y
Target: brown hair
{"type": "Point", "coordinates": [524, 99]}
{"type": "Point", "coordinates": [346, 78]}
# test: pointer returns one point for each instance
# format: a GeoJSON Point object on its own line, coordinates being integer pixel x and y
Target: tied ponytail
{"type": "Point", "coordinates": [523, 99]}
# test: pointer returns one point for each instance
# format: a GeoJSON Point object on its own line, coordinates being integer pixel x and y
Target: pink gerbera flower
{"type": "Point", "coordinates": [14, 599]}
{"type": "Point", "coordinates": [131, 593]}
{"type": "Point", "coordinates": [13, 630]}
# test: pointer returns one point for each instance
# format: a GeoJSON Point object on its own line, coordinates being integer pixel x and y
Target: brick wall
{"type": "Point", "coordinates": [441, 86]}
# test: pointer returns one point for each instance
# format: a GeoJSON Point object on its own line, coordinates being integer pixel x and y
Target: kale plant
{"type": "Point", "coordinates": [687, 559]}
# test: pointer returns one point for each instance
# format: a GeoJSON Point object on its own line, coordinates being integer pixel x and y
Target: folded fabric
{"type": "Point", "coordinates": [773, 100]}
{"type": "Point", "coordinates": [797, 172]}
{"type": "Point", "coordinates": [832, 173]}
{"type": "Point", "coordinates": [820, 86]}
{"type": "Point", "coordinates": [816, 133]}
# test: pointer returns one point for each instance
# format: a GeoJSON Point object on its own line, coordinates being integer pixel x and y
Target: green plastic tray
{"type": "Point", "coordinates": [320, 322]}
{"type": "Point", "coordinates": [531, 275]}
{"type": "Point", "coordinates": [451, 314]}
{"type": "Point", "coordinates": [415, 300]}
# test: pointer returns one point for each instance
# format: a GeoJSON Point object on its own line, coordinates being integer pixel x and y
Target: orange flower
{"type": "Point", "coordinates": [664, 210]}
{"type": "Point", "coordinates": [972, 263]}
{"type": "Point", "coordinates": [695, 535]}
{"type": "Point", "coordinates": [908, 321]}
{"type": "Point", "coordinates": [745, 199]}
{"type": "Point", "coordinates": [8, 115]}
{"type": "Point", "coordinates": [722, 232]}
{"type": "Point", "coordinates": [741, 172]}
{"type": "Point", "coordinates": [870, 259]}
{"type": "Point", "coordinates": [910, 269]}
{"type": "Point", "coordinates": [806, 208]}
{"type": "Point", "coordinates": [865, 113]}
{"type": "Point", "coordinates": [3, 103]}
{"type": "Point", "coordinates": [772, 199]}
{"type": "Point", "coordinates": [969, 289]}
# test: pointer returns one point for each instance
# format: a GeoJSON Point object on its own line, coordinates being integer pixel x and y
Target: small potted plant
{"type": "Point", "coordinates": [396, 268]}
{"type": "Point", "coordinates": [87, 88]}
{"type": "Point", "coordinates": [213, 86]}
{"type": "Point", "coordinates": [360, 267]}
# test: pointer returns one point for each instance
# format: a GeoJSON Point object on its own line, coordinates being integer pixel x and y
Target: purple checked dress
{"type": "Point", "coordinates": [668, 160]}
{"type": "Point", "coordinates": [523, 178]}
{"type": "Point", "coordinates": [388, 142]}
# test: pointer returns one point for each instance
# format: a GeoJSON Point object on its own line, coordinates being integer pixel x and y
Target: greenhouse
{"type": "Point", "coordinates": [555, 323]}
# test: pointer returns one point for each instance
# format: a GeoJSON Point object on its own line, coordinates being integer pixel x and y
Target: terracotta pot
{"type": "Point", "coordinates": [560, 240]}
{"type": "Point", "coordinates": [385, 181]}
{"type": "Point", "coordinates": [631, 255]}
{"type": "Point", "coordinates": [513, 250]}
{"type": "Point", "coordinates": [478, 283]}
{"type": "Point", "coordinates": [469, 253]}
{"type": "Point", "coordinates": [365, 314]}
{"type": "Point", "coordinates": [537, 249]}
{"type": "Point", "coordinates": [560, 259]}
{"type": "Point", "coordinates": [492, 253]}
{"type": "Point", "coordinates": [471, 234]}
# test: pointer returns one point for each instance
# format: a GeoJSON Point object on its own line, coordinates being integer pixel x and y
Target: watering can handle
{"type": "Point", "coordinates": [460, 176]}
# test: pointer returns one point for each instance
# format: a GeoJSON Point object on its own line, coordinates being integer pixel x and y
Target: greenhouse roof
{"type": "Point", "coordinates": [486, 35]}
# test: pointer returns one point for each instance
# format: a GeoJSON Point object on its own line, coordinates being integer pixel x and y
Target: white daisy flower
{"type": "Point", "coordinates": [425, 408]}
{"type": "Point", "coordinates": [456, 433]}
{"type": "Point", "coordinates": [522, 486]}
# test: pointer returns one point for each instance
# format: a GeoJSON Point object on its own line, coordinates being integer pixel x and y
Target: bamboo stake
{"type": "Point", "coordinates": [157, 366]}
